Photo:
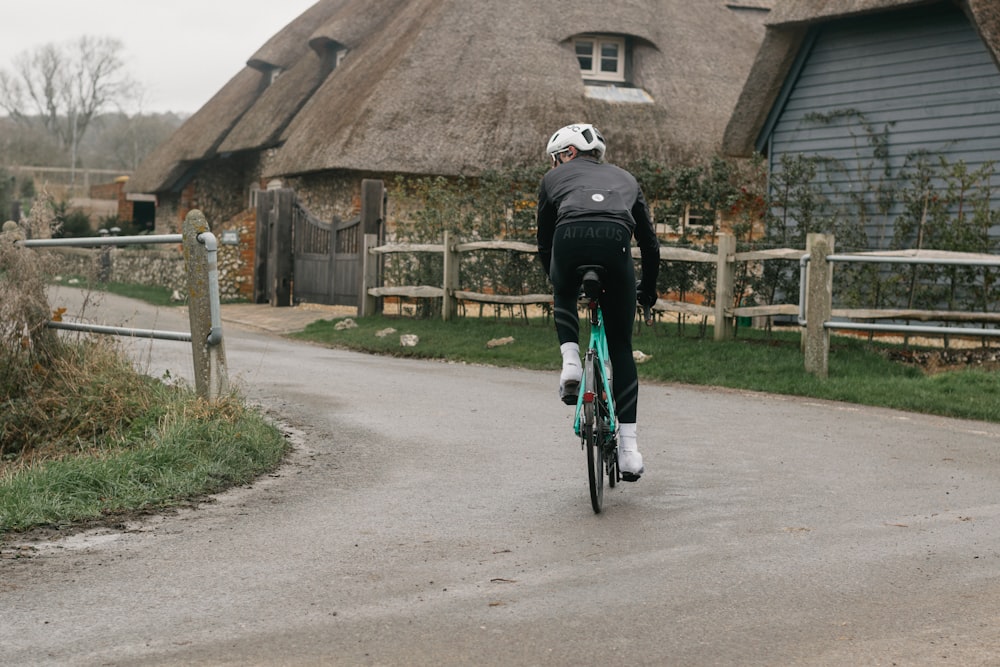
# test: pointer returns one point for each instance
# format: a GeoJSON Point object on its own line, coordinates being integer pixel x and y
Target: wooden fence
{"type": "Point", "coordinates": [818, 317]}
{"type": "Point", "coordinates": [451, 293]}
{"type": "Point", "coordinates": [813, 310]}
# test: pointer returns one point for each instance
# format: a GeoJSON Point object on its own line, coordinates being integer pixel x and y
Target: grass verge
{"type": "Point", "coordinates": [859, 372]}
{"type": "Point", "coordinates": [92, 439]}
{"type": "Point", "coordinates": [152, 294]}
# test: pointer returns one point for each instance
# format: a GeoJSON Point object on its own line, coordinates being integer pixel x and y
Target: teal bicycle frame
{"type": "Point", "coordinates": [598, 346]}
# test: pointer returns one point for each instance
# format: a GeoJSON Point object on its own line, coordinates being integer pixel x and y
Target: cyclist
{"type": "Point", "coordinates": [588, 212]}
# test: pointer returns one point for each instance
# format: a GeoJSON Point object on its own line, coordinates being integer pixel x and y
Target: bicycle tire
{"type": "Point", "coordinates": [592, 433]}
{"type": "Point", "coordinates": [606, 438]}
{"type": "Point", "coordinates": [611, 462]}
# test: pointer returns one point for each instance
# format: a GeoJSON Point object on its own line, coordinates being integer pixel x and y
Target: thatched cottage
{"type": "Point", "coordinates": [371, 88]}
{"type": "Point", "coordinates": [867, 85]}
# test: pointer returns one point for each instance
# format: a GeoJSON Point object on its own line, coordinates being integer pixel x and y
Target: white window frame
{"type": "Point", "coordinates": [596, 44]}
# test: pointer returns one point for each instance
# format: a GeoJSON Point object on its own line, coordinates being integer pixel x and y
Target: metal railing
{"type": "Point", "coordinates": [211, 247]}
{"type": "Point", "coordinates": [204, 310]}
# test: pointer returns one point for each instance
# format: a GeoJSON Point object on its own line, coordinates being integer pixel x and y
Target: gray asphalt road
{"type": "Point", "coordinates": [437, 514]}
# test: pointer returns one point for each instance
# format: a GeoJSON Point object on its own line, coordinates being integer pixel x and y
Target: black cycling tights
{"type": "Point", "coordinates": [608, 244]}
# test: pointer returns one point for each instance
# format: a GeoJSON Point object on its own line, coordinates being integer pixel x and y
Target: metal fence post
{"type": "Point", "coordinates": [819, 304]}
{"type": "Point", "coordinates": [725, 275]}
{"type": "Point", "coordinates": [201, 266]}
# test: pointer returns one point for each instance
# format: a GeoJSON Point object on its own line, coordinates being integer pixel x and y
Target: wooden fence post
{"type": "Point", "coordinates": [372, 206]}
{"type": "Point", "coordinates": [280, 252]}
{"type": "Point", "coordinates": [725, 275]}
{"type": "Point", "coordinates": [819, 304]}
{"type": "Point", "coordinates": [368, 304]}
{"type": "Point", "coordinates": [210, 378]}
{"type": "Point", "coordinates": [262, 245]}
{"type": "Point", "coordinates": [449, 306]}
{"type": "Point", "coordinates": [373, 234]}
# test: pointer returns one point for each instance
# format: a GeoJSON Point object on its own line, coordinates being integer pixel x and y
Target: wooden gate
{"type": "Point", "coordinates": [326, 259]}
{"type": "Point", "coordinates": [347, 263]}
{"type": "Point", "coordinates": [302, 259]}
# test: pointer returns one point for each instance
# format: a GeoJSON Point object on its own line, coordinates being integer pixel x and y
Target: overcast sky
{"type": "Point", "coordinates": [181, 51]}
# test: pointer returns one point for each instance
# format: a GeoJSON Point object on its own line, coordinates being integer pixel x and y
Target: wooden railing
{"type": "Point", "coordinates": [818, 317]}
{"type": "Point", "coordinates": [813, 309]}
{"type": "Point", "coordinates": [451, 292]}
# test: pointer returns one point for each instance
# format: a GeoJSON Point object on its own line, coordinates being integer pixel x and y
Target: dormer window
{"type": "Point", "coordinates": [330, 51]}
{"type": "Point", "coordinates": [601, 57]}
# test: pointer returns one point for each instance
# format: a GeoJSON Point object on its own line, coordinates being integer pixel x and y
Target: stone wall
{"type": "Point", "coordinates": [160, 266]}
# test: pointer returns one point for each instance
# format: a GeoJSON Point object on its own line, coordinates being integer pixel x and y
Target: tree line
{"type": "Point", "coordinates": [75, 105]}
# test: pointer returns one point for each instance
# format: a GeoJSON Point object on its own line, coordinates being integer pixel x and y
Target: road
{"type": "Point", "coordinates": [437, 514]}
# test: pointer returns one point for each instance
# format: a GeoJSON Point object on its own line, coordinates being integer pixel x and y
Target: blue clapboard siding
{"type": "Point", "coordinates": [926, 72]}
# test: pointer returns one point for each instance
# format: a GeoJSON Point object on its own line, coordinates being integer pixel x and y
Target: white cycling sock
{"type": "Point", "coordinates": [627, 437]}
{"type": "Point", "coordinates": [570, 354]}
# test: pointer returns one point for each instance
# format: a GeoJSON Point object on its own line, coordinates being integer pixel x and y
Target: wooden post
{"type": "Point", "coordinates": [450, 305]}
{"type": "Point", "coordinates": [368, 304]}
{"type": "Point", "coordinates": [819, 304]}
{"type": "Point", "coordinates": [280, 255]}
{"type": "Point", "coordinates": [372, 206]}
{"type": "Point", "coordinates": [725, 275]}
{"type": "Point", "coordinates": [262, 244]}
{"type": "Point", "coordinates": [373, 235]}
{"type": "Point", "coordinates": [210, 377]}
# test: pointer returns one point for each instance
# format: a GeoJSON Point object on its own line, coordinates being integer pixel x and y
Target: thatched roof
{"type": "Point", "coordinates": [199, 136]}
{"type": "Point", "coordinates": [787, 27]}
{"type": "Point", "coordinates": [453, 87]}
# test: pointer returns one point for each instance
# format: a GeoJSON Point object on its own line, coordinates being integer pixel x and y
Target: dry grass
{"type": "Point", "coordinates": [84, 435]}
{"type": "Point", "coordinates": [56, 397]}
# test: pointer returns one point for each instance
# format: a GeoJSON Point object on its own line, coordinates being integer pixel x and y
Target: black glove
{"type": "Point", "coordinates": [646, 296]}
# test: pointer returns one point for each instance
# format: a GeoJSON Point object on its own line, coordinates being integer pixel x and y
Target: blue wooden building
{"type": "Point", "coordinates": [869, 88]}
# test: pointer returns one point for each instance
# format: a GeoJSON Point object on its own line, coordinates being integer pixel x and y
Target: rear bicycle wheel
{"type": "Point", "coordinates": [611, 461]}
{"type": "Point", "coordinates": [606, 439]}
{"type": "Point", "coordinates": [592, 434]}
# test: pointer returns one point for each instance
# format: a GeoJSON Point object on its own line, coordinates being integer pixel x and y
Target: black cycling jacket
{"type": "Point", "coordinates": [585, 189]}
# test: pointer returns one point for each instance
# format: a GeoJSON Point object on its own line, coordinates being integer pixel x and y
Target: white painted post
{"type": "Point", "coordinates": [210, 378]}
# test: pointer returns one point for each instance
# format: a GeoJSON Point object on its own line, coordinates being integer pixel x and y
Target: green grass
{"type": "Point", "coordinates": [84, 436]}
{"type": "Point", "coordinates": [151, 294]}
{"type": "Point", "coordinates": [155, 295]}
{"type": "Point", "coordinates": [196, 449]}
{"type": "Point", "coordinates": [858, 372]}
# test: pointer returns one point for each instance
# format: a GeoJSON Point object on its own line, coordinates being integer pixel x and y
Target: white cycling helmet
{"type": "Point", "coordinates": [583, 136]}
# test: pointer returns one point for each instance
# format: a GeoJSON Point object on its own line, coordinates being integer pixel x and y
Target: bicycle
{"type": "Point", "coordinates": [596, 421]}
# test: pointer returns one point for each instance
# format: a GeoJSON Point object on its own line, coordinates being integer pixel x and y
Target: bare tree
{"type": "Point", "coordinates": [65, 86]}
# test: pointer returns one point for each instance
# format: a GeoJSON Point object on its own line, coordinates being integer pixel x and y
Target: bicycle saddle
{"type": "Point", "coordinates": [590, 280]}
